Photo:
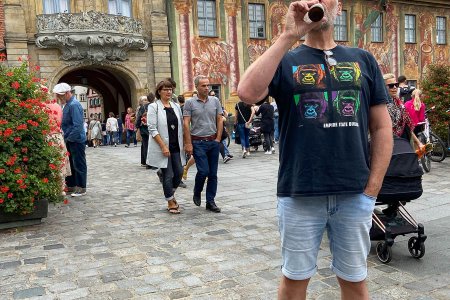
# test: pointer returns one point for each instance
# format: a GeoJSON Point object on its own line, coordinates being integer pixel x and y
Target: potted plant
{"type": "Point", "coordinates": [29, 157]}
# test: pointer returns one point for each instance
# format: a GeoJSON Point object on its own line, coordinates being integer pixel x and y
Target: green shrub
{"type": "Point", "coordinates": [436, 91]}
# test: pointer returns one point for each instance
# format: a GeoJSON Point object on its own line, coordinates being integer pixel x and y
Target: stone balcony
{"type": "Point", "coordinates": [90, 36]}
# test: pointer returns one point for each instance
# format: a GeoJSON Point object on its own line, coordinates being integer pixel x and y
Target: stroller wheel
{"type": "Point", "coordinates": [416, 248]}
{"type": "Point", "coordinates": [384, 252]}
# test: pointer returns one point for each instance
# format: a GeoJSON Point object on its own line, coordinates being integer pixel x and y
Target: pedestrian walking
{"type": "Point", "coordinates": [166, 147]}
{"type": "Point", "coordinates": [111, 128]}
{"type": "Point", "coordinates": [74, 137]}
{"type": "Point", "coordinates": [120, 131]}
{"type": "Point", "coordinates": [203, 129]}
{"type": "Point", "coordinates": [129, 128]}
{"type": "Point", "coordinates": [266, 112]}
{"type": "Point", "coordinates": [243, 122]}
{"type": "Point", "coordinates": [326, 179]}
{"type": "Point", "coordinates": [141, 125]}
{"type": "Point", "coordinates": [95, 132]}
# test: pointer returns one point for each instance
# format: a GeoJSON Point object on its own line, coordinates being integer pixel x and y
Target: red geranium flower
{"type": "Point", "coordinates": [1, 200]}
{"type": "Point", "coordinates": [4, 189]}
{"type": "Point", "coordinates": [45, 180]}
{"type": "Point", "coordinates": [10, 195]}
{"type": "Point", "coordinates": [25, 159]}
{"type": "Point", "coordinates": [9, 74]}
{"type": "Point", "coordinates": [2, 171]}
{"type": "Point", "coordinates": [8, 132]}
{"type": "Point", "coordinates": [52, 166]}
{"type": "Point", "coordinates": [15, 85]}
{"type": "Point", "coordinates": [17, 139]}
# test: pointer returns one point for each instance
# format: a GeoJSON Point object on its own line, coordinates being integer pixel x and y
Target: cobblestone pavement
{"type": "Point", "coordinates": [119, 242]}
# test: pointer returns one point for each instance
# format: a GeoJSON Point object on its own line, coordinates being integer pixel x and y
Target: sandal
{"type": "Point", "coordinates": [173, 209]}
{"type": "Point", "coordinates": [185, 171]}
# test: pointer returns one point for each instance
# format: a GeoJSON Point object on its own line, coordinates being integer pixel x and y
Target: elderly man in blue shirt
{"type": "Point", "coordinates": [74, 137]}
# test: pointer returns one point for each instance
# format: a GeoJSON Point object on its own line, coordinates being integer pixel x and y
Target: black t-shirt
{"type": "Point", "coordinates": [405, 93]}
{"type": "Point", "coordinates": [172, 127]}
{"type": "Point", "coordinates": [246, 112]}
{"type": "Point", "coordinates": [267, 122]}
{"type": "Point", "coordinates": [323, 119]}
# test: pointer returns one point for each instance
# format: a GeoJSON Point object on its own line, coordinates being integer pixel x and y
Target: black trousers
{"type": "Point", "coordinates": [144, 148]}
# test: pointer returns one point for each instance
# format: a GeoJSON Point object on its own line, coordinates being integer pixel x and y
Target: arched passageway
{"type": "Point", "coordinates": [116, 88]}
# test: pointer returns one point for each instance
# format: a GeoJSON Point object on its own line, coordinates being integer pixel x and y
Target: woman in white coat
{"type": "Point", "coordinates": [166, 147]}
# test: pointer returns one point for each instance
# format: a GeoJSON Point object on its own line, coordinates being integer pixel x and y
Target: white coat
{"type": "Point", "coordinates": [157, 124]}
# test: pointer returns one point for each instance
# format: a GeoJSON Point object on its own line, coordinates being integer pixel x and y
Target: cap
{"type": "Point", "coordinates": [61, 88]}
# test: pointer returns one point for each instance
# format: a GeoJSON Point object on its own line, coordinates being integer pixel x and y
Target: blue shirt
{"type": "Point", "coordinates": [72, 122]}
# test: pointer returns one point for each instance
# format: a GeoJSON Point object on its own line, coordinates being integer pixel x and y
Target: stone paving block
{"type": "Point", "coordinates": [10, 264]}
{"type": "Point", "coordinates": [109, 277]}
{"type": "Point", "coordinates": [62, 287]}
{"type": "Point", "coordinates": [120, 295]}
{"type": "Point", "coordinates": [179, 294]}
{"type": "Point", "coordinates": [54, 246]}
{"type": "Point", "coordinates": [28, 293]}
{"type": "Point", "coordinates": [75, 294]}
{"type": "Point", "coordinates": [36, 260]}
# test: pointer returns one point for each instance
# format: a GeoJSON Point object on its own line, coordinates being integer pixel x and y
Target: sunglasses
{"type": "Point", "coordinates": [392, 85]}
{"type": "Point", "coordinates": [329, 58]}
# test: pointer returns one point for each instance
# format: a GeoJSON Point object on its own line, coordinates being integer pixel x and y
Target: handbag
{"type": "Point", "coordinates": [247, 125]}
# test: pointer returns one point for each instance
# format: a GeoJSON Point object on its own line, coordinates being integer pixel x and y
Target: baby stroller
{"type": "Point", "coordinates": [255, 135]}
{"type": "Point", "coordinates": [402, 183]}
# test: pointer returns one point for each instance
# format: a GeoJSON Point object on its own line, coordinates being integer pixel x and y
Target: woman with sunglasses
{"type": "Point", "coordinates": [165, 148]}
{"type": "Point", "coordinates": [402, 126]}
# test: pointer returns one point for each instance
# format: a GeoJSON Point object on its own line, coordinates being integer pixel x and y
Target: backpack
{"type": "Point", "coordinates": [133, 118]}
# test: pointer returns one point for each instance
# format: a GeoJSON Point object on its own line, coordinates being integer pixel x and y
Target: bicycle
{"type": "Point", "coordinates": [438, 152]}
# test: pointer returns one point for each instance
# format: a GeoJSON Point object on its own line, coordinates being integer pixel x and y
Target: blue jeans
{"type": "Point", "coordinates": [119, 137]}
{"type": "Point", "coordinates": [206, 155]}
{"type": "Point", "coordinates": [244, 135]}
{"type": "Point", "coordinates": [276, 130]}
{"type": "Point", "coordinates": [302, 222]}
{"type": "Point", "coordinates": [172, 175]}
{"type": "Point", "coordinates": [131, 134]}
{"type": "Point", "coordinates": [225, 148]}
{"type": "Point", "coordinates": [78, 167]}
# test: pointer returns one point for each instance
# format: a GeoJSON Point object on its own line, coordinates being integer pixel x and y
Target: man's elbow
{"type": "Point", "coordinates": [244, 93]}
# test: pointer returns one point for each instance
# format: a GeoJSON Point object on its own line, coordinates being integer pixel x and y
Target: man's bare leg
{"type": "Point", "coordinates": [292, 289]}
{"type": "Point", "coordinates": [353, 290]}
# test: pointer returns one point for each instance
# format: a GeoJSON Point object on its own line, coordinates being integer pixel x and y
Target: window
{"type": "Point", "coordinates": [257, 21]}
{"type": "Point", "coordinates": [207, 18]}
{"type": "Point", "coordinates": [216, 89]}
{"type": "Point", "coordinates": [120, 7]}
{"type": "Point", "coordinates": [340, 27]}
{"type": "Point", "coordinates": [82, 97]}
{"type": "Point", "coordinates": [441, 30]}
{"type": "Point", "coordinates": [56, 6]}
{"type": "Point", "coordinates": [411, 83]}
{"type": "Point", "coordinates": [377, 29]}
{"type": "Point", "coordinates": [410, 28]}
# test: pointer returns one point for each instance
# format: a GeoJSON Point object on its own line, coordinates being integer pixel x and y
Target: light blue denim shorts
{"type": "Point", "coordinates": [302, 222]}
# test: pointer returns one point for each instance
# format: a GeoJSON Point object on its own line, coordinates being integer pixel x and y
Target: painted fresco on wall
{"type": "Point", "coordinates": [426, 46]}
{"type": "Point", "coordinates": [411, 61]}
{"type": "Point", "coordinates": [256, 48]}
{"type": "Point", "coordinates": [277, 11]}
{"type": "Point", "coordinates": [211, 58]}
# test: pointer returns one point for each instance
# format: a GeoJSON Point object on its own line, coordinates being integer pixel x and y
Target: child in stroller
{"type": "Point", "coordinates": [402, 183]}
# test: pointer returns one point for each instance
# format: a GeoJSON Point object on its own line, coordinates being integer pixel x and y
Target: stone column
{"type": "Point", "coordinates": [231, 8]}
{"type": "Point", "coordinates": [183, 9]}
{"type": "Point", "coordinates": [15, 32]}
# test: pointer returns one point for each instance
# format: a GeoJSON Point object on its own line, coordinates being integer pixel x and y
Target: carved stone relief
{"type": "Point", "coordinates": [90, 35]}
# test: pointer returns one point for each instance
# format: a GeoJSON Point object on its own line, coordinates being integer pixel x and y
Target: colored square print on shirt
{"type": "Point", "coordinates": [309, 76]}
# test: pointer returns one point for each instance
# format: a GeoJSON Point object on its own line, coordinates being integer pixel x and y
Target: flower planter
{"type": "Point", "coordinates": [9, 220]}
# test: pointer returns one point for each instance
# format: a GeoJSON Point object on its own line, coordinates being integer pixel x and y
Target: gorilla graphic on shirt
{"type": "Point", "coordinates": [346, 103]}
{"type": "Point", "coordinates": [346, 74]}
{"type": "Point", "coordinates": [311, 106]}
{"type": "Point", "coordinates": [309, 76]}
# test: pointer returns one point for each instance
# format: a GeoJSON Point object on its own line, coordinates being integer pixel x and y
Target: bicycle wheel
{"type": "Point", "coordinates": [439, 152]}
{"type": "Point", "coordinates": [426, 162]}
